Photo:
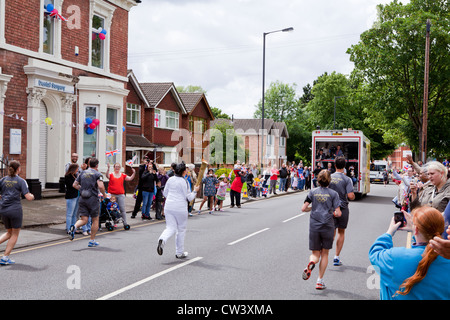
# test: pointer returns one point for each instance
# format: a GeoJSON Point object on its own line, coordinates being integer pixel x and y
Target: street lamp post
{"type": "Point", "coordinates": [263, 89]}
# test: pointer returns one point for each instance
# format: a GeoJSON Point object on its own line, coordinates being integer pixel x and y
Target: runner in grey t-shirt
{"type": "Point", "coordinates": [89, 183]}
{"type": "Point", "coordinates": [12, 187]}
{"type": "Point", "coordinates": [343, 185]}
{"type": "Point", "coordinates": [324, 205]}
{"type": "Point", "coordinates": [324, 202]}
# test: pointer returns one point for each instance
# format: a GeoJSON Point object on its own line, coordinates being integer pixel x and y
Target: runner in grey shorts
{"type": "Point", "coordinates": [12, 187]}
{"type": "Point", "coordinates": [324, 205]}
{"type": "Point", "coordinates": [343, 185]}
{"type": "Point", "coordinates": [89, 182]}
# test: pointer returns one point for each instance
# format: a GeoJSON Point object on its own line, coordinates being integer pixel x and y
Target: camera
{"type": "Point", "coordinates": [399, 216]}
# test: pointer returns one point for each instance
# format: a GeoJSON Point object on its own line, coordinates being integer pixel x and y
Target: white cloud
{"type": "Point", "coordinates": [217, 44]}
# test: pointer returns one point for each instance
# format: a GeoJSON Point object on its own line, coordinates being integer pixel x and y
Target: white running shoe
{"type": "Point", "coordinates": [182, 256]}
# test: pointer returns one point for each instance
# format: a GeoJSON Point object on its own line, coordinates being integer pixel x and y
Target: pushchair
{"type": "Point", "coordinates": [109, 218]}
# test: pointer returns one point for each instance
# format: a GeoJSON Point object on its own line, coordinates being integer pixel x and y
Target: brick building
{"type": "Point", "coordinates": [197, 121]}
{"type": "Point", "coordinates": [55, 77]}
{"type": "Point", "coordinates": [164, 120]}
{"type": "Point", "coordinates": [398, 159]}
{"type": "Point", "coordinates": [274, 138]}
{"type": "Point", "coordinates": [139, 128]}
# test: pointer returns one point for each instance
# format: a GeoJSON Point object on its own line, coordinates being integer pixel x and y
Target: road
{"type": "Point", "coordinates": [256, 252]}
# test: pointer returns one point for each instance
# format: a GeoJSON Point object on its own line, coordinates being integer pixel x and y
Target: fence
{"type": "Point", "coordinates": [3, 166]}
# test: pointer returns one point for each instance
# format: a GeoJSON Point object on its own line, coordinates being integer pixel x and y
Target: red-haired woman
{"type": "Point", "coordinates": [417, 273]}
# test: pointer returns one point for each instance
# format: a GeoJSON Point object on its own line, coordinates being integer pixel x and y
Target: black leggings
{"type": "Point", "coordinates": [235, 195]}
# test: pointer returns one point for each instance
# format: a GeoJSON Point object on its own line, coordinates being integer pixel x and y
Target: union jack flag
{"type": "Point", "coordinates": [111, 153]}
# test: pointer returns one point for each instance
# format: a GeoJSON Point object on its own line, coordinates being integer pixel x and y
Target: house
{"type": "Point", "coordinates": [197, 121]}
{"type": "Point", "coordinates": [63, 66]}
{"type": "Point", "coordinates": [398, 158]}
{"type": "Point", "coordinates": [272, 140]}
{"type": "Point", "coordinates": [139, 127]}
{"type": "Point", "coordinates": [165, 120]}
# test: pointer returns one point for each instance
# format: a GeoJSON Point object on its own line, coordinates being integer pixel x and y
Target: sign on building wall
{"type": "Point", "coordinates": [15, 141]}
{"type": "Point", "coordinates": [54, 86]}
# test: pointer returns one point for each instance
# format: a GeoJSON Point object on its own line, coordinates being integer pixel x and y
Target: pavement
{"type": "Point", "coordinates": [44, 220]}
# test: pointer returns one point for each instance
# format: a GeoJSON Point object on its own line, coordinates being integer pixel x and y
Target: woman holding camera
{"type": "Point", "coordinates": [416, 273]}
{"type": "Point", "coordinates": [177, 194]}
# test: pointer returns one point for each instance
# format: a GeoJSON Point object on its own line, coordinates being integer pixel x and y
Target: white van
{"type": "Point", "coordinates": [377, 169]}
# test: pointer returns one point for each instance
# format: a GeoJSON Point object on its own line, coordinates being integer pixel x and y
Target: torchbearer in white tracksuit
{"type": "Point", "coordinates": [177, 194]}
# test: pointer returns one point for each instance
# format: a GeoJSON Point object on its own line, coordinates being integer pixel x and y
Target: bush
{"type": "Point", "coordinates": [225, 171]}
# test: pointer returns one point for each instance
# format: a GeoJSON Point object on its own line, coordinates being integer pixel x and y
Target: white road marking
{"type": "Point", "coordinates": [250, 235]}
{"type": "Point", "coordinates": [297, 216]}
{"type": "Point", "coordinates": [136, 284]}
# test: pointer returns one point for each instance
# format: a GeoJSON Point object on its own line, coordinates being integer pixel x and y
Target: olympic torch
{"type": "Point", "coordinates": [200, 175]}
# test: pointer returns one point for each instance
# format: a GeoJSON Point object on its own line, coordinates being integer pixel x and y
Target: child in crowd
{"type": "Point", "coordinates": [257, 185]}
{"type": "Point", "coordinates": [113, 208]}
{"type": "Point", "coordinates": [209, 191]}
{"type": "Point", "coordinates": [264, 187]}
{"type": "Point", "coordinates": [221, 192]}
{"type": "Point", "coordinates": [159, 201]}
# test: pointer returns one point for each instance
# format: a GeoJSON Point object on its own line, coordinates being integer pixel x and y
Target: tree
{"type": "Point", "coordinates": [307, 95]}
{"type": "Point", "coordinates": [351, 111]}
{"type": "Point", "coordinates": [280, 103]}
{"type": "Point", "coordinates": [218, 113]}
{"type": "Point", "coordinates": [390, 59]}
{"type": "Point", "coordinates": [321, 107]}
{"type": "Point", "coordinates": [191, 89]}
{"type": "Point", "coordinates": [226, 144]}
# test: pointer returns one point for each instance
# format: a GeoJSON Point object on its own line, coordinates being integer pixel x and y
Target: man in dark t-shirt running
{"type": "Point", "coordinates": [343, 185]}
{"type": "Point", "coordinates": [89, 183]}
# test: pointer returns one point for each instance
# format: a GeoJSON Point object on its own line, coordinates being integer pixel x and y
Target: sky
{"type": "Point", "coordinates": [218, 44]}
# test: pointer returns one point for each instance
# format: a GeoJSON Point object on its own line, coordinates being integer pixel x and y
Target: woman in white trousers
{"type": "Point", "coordinates": [177, 194]}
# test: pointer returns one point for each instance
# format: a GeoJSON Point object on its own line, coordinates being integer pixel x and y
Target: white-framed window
{"type": "Point", "coordinates": [100, 17]}
{"type": "Point", "coordinates": [282, 141]}
{"type": "Point", "coordinates": [111, 134]}
{"type": "Point", "coordinates": [48, 36]}
{"type": "Point", "coordinates": [157, 118]}
{"type": "Point", "coordinates": [90, 139]}
{"type": "Point", "coordinates": [269, 139]}
{"type": "Point", "coordinates": [97, 48]}
{"type": "Point", "coordinates": [172, 120]}
{"type": "Point", "coordinates": [2, 21]}
{"type": "Point", "coordinates": [167, 119]}
{"type": "Point", "coordinates": [133, 114]}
